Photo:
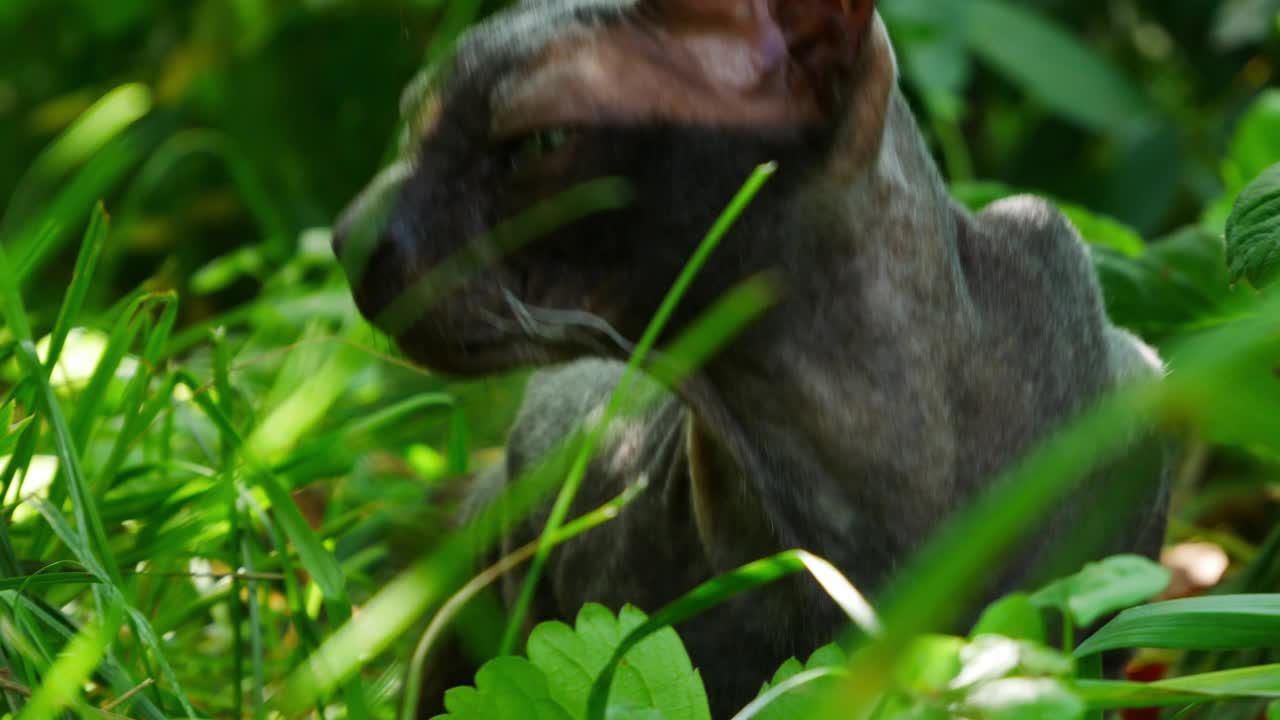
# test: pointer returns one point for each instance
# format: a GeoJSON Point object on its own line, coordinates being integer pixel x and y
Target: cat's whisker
{"type": "Point", "coordinates": [554, 325]}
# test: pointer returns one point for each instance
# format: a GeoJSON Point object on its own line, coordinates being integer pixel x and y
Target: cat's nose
{"type": "Point", "coordinates": [359, 227]}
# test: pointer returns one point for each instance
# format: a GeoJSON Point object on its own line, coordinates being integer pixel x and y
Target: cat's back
{"type": "Point", "coordinates": [1040, 347]}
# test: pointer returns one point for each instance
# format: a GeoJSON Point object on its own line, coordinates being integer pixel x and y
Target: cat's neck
{"type": "Point", "coordinates": [838, 397]}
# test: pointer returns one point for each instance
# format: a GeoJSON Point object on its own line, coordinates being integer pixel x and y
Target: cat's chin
{"type": "Point", "coordinates": [475, 359]}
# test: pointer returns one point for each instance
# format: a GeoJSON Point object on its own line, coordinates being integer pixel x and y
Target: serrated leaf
{"type": "Point", "coordinates": [1253, 230]}
{"type": "Point", "coordinates": [787, 670]}
{"type": "Point", "coordinates": [1207, 623]}
{"type": "Point", "coordinates": [507, 688]}
{"type": "Point", "coordinates": [656, 674]}
{"type": "Point", "coordinates": [802, 701]}
{"type": "Point", "coordinates": [1104, 587]}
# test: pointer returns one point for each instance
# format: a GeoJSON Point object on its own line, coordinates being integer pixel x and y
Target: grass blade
{"type": "Point", "coordinates": [90, 249]}
{"type": "Point", "coordinates": [1262, 681]}
{"type": "Point", "coordinates": [673, 298]}
{"type": "Point", "coordinates": [1203, 623]}
{"type": "Point", "coordinates": [73, 666]}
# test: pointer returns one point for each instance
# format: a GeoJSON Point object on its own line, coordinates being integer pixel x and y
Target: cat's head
{"type": "Point", "coordinates": [564, 164]}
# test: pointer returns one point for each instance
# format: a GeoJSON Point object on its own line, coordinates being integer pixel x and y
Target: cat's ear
{"type": "Point", "coordinates": [746, 63]}
{"type": "Point", "coordinates": [800, 45]}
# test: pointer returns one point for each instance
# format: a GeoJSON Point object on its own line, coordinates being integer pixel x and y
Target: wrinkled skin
{"type": "Point", "coordinates": [915, 352]}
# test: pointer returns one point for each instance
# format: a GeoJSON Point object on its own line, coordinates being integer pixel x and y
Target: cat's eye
{"type": "Point", "coordinates": [534, 147]}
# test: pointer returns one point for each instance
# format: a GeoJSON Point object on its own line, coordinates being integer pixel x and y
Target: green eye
{"type": "Point", "coordinates": [536, 146]}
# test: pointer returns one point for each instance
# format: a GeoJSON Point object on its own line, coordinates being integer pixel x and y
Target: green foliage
{"type": "Point", "coordinates": [1104, 587]}
{"type": "Point", "coordinates": [506, 688]}
{"type": "Point", "coordinates": [1253, 230]}
{"type": "Point", "coordinates": [796, 689]}
{"type": "Point", "coordinates": [213, 476]}
{"type": "Point", "coordinates": [654, 680]}
{"type": "Point", "coordinates": [1226, 621]}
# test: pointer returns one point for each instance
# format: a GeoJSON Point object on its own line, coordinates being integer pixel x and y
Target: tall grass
{"type": "Point", "coordinates": [214, 518]}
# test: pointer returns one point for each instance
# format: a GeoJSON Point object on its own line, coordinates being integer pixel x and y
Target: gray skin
{"type": "Point", "coordinates": [916, 352]}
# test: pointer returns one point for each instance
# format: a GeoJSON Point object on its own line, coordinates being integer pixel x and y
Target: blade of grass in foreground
{"type": "Point", "coordinates": [73, 666]}
{"type": "Point", "coordinates": [564, 501]}
{"type": "Point", "coordinates": [86, 137]}
{"type": "Point", "coordinates": [36, 242]}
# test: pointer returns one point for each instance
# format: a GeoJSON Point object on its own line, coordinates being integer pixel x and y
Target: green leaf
{"type": "Point", "coordinates": [75, 663]}
{"type": "Point", "coordinates": [48, 580]}
{"type": "Point", "coordinates": [9, 433]}
{"type": "Point", "coordinates": [1208, 623]}
{"type": "Point", "coordinates": [507, 688]}
{"type": "Point", "coordinates": [931, 663]}
{"type": "Point", "coordinates": [711, 594]}
{"type": "Point", "coordinates": [1104, 587]}
{"type": "Point", "coordinates": [1023, 699]}
{"type": "Point", "coordinates": [1050, 65]}
{"type": "Point", "coordinates": [1254, 147]}
{"type": "Point", "coordinates": [622, 712]}
{"type": "Point", "coordinates": [1102, 231]}
{"type": "Point", "coordinates": [1253, 230]}
{"type": "Point", "coordinates": [992, 657]}
{"type": "Point", "coordinates": [656, 674]}
{"type": "Point", "coordinates": [1013, 616]}
{"type": "Point", "coordinates": [1262, 681]}
{"type": "Point", "coordinates": [86, 262]}
{"type": "Point", "coordinates": [802, 699]}
{"type": "Point", "coordinates": [1256, 144]}
{"type": "Point", "coordinates": [1179, 281]}
{"type": "Point", "coordinates": [86, 138]}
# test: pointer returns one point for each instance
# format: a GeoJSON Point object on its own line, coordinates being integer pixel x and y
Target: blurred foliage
{"type": "Point", "coordinates": [216, 404]}
{"type": "Point", "coordinates": [268, 117]}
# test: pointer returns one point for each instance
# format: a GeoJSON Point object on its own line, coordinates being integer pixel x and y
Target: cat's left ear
{"type": "Point", "coordinates": [825, 38]}
{"type": "Point", "coordinates": [744, 63]}
{"type": "Point", "coordinates": [802, 44]}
